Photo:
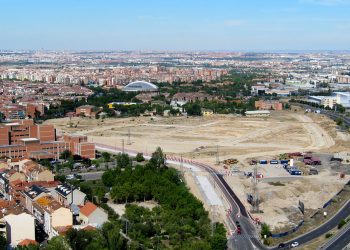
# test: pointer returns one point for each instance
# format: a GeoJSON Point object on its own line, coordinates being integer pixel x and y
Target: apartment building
{"type": "Point", "coordinates": [19, 228]}
{"type": "Point", "coordinates": [24, 139]}
{"type": "Point", "coordinates": [52, 215]}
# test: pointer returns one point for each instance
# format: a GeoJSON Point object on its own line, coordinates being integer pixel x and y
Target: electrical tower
{"type": "Point", "coordinates": [129, 137]}
{"type": "Point", "coordinates": [217, 155]}
{"type": "Point", "coordinates": [255, 201]}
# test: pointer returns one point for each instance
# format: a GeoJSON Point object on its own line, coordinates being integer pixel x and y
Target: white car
{"type": "Point", "coordinates": [295, 244]}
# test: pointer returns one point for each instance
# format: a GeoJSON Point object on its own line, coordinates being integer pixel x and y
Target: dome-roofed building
{"type": "Point", "coordinates": [140, 86]}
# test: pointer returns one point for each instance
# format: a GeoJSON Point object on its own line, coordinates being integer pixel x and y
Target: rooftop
{"type": "Point", "coordinates": [88, 208]}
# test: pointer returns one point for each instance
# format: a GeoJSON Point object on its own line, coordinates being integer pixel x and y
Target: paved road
{"type": "Point", "coordinates": [331, 114]}
{"type": "Point", "coordinates": [338, 241]}
{"type": "Point", "coordinates": [89, 176]}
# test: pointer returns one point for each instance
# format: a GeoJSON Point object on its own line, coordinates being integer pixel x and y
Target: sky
{"type": "Point", "coordinates": [217, 25]}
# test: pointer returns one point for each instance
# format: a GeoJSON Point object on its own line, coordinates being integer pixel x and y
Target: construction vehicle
{"type": "Point", "coordinates": [230, 161]}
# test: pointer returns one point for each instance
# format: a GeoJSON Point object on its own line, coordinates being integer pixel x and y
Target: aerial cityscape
{"type": "Point", "coordinates": [195, 125]}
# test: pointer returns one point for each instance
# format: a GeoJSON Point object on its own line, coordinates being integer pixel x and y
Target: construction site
{"type": "Point", "coordinates": [271, 163]}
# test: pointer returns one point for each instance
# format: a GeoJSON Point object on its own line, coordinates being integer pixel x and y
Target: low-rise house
{"type": "Point", "coordinates": [91, 214]}
{"type": "Point", "coordinates": [87, 110]}
{"type": "Point", "coordinates": [36, 172]}
{"type": "Point", "coordinates": [19, 228]}
{"type": "Point", "coordinates": [68, 195]}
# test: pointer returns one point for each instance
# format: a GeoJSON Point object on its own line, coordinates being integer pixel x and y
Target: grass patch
{"type": "Point", "coordinates": [278, 183]}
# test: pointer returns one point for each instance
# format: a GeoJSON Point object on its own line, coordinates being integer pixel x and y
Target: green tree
{"type": "Point", "coordinates": [123, 160]}
{"type": "Point", "coordinates": [3, 242]}
{"type": "Point", "coordinates": [193, 109]}
{"type": "Point", "coordinates": [66, 154]}
{"type": "Point", "coordinates": [106, 156]}
{"type": "Point", "coordinates": [139, 157]}
{"type": "Point", "coordinates": [57, 243]}
{"type": "Point", "coordinates": [158, 158]}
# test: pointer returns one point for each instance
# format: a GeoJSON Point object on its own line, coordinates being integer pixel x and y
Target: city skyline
{"type": "Point", "coordinates": [293, 25]}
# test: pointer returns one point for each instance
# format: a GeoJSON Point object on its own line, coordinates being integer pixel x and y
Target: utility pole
{"type": "Point", "coordinates": [123, 146]}
{"type": "Point", "coordinates": [182, 167]}
{"type": "Point", "coordinates": [255, 201]}
{"type": "Point", "coordinates": [217, 155]}
{"type": "Point", "coordinates": [129, 140]}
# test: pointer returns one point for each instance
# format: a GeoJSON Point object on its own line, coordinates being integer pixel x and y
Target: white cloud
{"type": "Point", "coordinates": [234, 22]}
{"type": "Point", "coordinates": [326, 2]}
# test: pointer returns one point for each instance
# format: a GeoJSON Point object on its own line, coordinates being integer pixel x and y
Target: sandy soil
{"type": "Point", "coordinates": [236, 137]}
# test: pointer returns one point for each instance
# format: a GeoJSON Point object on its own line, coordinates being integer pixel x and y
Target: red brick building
{"type": "Point", "coordinates": [87, 110]}
{"type": "Point", "coordinates": [24, 139]}
{"type": "Point", "coordinates": [268, 105]}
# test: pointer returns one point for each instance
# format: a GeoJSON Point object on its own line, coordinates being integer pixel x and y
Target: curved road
{"type": "Point", "coordinates": [248, 240]}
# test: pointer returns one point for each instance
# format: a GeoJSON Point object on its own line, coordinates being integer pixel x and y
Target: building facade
{"type": "Point", "coordinates": [24, 139]}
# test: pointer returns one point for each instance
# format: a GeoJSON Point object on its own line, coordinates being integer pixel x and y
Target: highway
{"type": "Point", "coordinates": [338, 241]}
{"type": "Point", "coordinates": [324, 228]}
{"type": "Point", "coordinates": [331, 114]}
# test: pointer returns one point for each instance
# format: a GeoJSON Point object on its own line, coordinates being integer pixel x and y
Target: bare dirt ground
{"type": "Point", "coordinates": [236, 137]}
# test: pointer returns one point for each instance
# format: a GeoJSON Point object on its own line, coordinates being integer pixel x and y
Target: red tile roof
{"type": "Point", "coordinates": [89, 228]}
{"type": "Point", "coordinates": [88, 209]}
{"type": "Point", "coordinates": [27, 242]}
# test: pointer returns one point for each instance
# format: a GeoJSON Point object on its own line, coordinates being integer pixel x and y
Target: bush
{"type": "Point", "coordinates": [328, 235]}
{"type": "Point", "coordinates": [341, 224]}
{"type": "Point", "coordinates": [265, 230]}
